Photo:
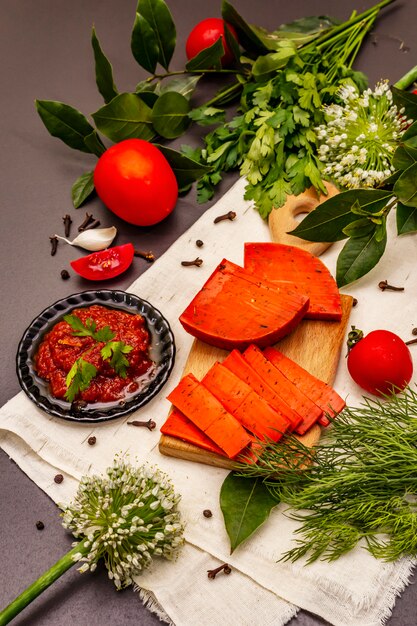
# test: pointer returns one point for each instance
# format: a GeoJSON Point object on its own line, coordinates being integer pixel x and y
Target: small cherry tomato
{"type": "Point", "coordinates": [104, 264]}
{"type": "Point", "coordinates": [205, 34]}
{"type": "Point", "coordinates": [136, 182]}
{"type": "Point", "coordinates": [380, 363]}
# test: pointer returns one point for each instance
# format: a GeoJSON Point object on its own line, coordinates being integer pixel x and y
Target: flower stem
{"type": "Point", "coordinates": [42, 583]}
{"type": "Point", "coordinates": [407, 79]}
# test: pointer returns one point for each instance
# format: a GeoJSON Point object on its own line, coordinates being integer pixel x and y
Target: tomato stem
{"type": "Point", "coordinates": [354, 336]}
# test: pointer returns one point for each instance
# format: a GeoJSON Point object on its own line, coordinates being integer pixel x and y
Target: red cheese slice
{"type": "Point", "coordinates": [277, 262]}
{"type": "Point", "coordinates": [252, 411]}
{"type": "Point", "coordinates": [235, 309]}
{"type": "Point", "coordinates": [208, 414]}
{"type": "Point", "coordinates": [318, 391]}
{"type": "Point", "coordinates": [309, 411]}
{"type": "Point", "coordinates": [237, 364]}
{"type": "Point", "coordinates": [179, 426]}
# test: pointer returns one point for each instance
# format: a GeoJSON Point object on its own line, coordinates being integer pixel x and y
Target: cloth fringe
{"type": "Point", "coordinates": [151, 603]}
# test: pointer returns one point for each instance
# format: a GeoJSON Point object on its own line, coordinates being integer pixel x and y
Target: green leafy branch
{"type": "Point", "coordinates": [82, 372]}
{"type": "Point", "coordinates": [160, 108]}
{"type": "Point", "coordinates": [360, 215]}
{"type": "Point", "coordinates": [357, 485]}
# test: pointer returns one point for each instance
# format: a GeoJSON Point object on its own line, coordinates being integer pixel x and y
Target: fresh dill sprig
{"type": "Point", "coordinates": [359, 484]}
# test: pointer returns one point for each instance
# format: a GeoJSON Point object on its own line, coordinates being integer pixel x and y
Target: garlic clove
{"type": "Point", "coordinates": [93, 239]}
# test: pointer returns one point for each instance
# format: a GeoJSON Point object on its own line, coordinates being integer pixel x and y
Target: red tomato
{"type": "Point", "coordinates": [136, 182]}
{"type": "Point", "coordinates": [380, 363]}
{"type": "Point", "coordinates": [104, 264]}
{"type": "Point", "coordinates": [205, 34]}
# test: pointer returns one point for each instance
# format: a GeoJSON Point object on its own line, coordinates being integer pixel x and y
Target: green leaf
{"type": "Point", "coordinates": [245, 503]}
{"type": "Point", "coordinates": [208, 58]}
{"type": "Point", "coordinates": [82, 189]}
{"type": "Point", "coordinates": [410, 132]}
{"type": "Point", "coordinates": [159, 17]}
{"type": "Point", "coordinates": [170, 115]}
{"type": "Point", "coordinates": [104, 71]}
{"type": "Point", "coordinates": [66, 123]}
{"type": "Point", "coordinates": [232, 44]}
{"type": "Point", "coordinates": [267, 65]}
{"type": "Point", "coordinates": [247, 36]}
{"type": "Point", "coordinates": [79, 378]}
{"type": "Point", "coordinates": [358, 257]}
{"type": "Point", "coordinates": [185, 85]}
{"type": "Point", "coordinates": [327, 221]}
{"type": "Point", "coordinates": [205, 116]}
{"type": "Point", "coordinates": [359, 228]}
{"type": "Point", "coordinates": [406, 219]}
{"type": "Point", "coordinates": [186, 170]}
{"type": "Point", "coordinates": [300, 31]}
{"type": "Point", "coordinates": [115, 352]}
{"type": "Point", "coordinates": [144, 44]}
{"type": "Point", "coordinates": [125, 117]}
{"type": "Point", "coordinates": [88, 329]}
{"type": "Point", "coordinates": [94, 144]}
{"type": "Point", "coordinates": [405, 155]}
{"type": "Point", "coordinates": [406, 100]}
{"type": "Point", "coordinates": [406, 186]}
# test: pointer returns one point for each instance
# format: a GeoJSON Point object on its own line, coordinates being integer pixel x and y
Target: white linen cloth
{"type": "Point", "coordinates": [356, 590]}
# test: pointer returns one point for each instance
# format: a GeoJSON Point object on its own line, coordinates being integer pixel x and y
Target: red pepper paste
{"type": "Point", "coordinates": [60, 348]}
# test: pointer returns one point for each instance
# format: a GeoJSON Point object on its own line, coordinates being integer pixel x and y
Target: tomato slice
{"type": "Point", "coordinates": [104, 264]}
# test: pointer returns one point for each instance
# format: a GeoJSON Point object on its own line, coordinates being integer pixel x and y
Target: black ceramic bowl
{"type": "Point", "coordinates": [162, 352]}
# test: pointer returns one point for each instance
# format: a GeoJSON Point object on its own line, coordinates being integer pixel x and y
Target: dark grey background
{"type": "Point", "coordinates": [45, 53]}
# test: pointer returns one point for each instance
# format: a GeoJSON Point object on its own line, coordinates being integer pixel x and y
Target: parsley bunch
{"type": "Point", "coordinates": [273, 138]}
{"type": "Point", "coordinates": [82, 372]}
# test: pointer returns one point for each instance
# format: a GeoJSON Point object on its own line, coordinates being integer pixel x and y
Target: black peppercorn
{"type": "Point", "coordinates": [59, 478]}
{"type": "Point", "coordinates": [65, 274]}
{"type": "Point", "coordinates": [40, 525]}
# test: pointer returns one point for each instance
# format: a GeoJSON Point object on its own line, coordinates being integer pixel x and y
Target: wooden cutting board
{"type": "Point", "coordinates": [315, 345]}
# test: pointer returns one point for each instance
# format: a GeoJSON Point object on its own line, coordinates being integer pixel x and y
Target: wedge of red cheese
{"type": "Point", "coordinates": [249, 397]}
{"type": "Point", "coordinates": [236, 308]}
{"type": "Point", "coordinates": [276, 262]}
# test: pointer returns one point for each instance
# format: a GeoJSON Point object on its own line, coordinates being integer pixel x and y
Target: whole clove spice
{"type": "Point", "coordinates": [197, 262]}
{"type": "Point", "coordinates": [231, 215]}
{"type": "Point", "coordinates": [148, 256]}
{"type": "Point", "coordinates": [150, 424]}
{"type": "Point", "coordinates": [414, 331]}
{"type": "Point", "coordinates": [383, 285]}
{"type": "Point", "coordinates": [54, 244]}
{"type": "Point", "coordinates": [211, 573]}
{"type": "Point", "coordinates": [88, 219]}
{"type": "Point", "coordinates": [67, 224]}
{"type": "Point", "coordinates": [91, 225]}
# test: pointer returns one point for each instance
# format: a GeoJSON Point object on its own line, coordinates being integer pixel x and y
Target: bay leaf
{"type": "Point", "coordinates": [247, 36]}
{"type": "Point", "coordinates": [327, 221]}
{"type": "Point", "coordinates": [186, 169]}
{"type": "Point", "coordinates": [158, 15]}
{"type": "Point", "coordinates": [406, 186]}
{"type": "Point", "coordinates": [184, 85]}
{"type": "Point", "coordinates": [245, 503]}
{"type": "Point", "coordinates": [406, 219]}
{"type": "Point", "coordinates": [125, 117]}
{"type": "Point", "coordinates": [82, 189]}
{"type": "Point", "coordinates": [359, 256]}
{"type": "Point", "coordinates": [170, 115]}
{"type": "Point", "coordinates": [406, 100]}
{"type": "Point", "coordinates": [208, 58]}
{"type": "Point", "coordinates": [104, 70]}
{"type": "Point", "coordinates": [65, 122]}
{"type": "Point", "coordinates": [144, 44]}
{"type": "Point", "coordinates": [405, 155]}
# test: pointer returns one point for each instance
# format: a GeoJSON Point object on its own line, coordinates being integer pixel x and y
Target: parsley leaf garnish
{"type": "Point", "coordinates": [79, 378]}
{"type": "Point", "coordinates": [82, 372]}
{"type": "Point", "coordinates": [115, 351]}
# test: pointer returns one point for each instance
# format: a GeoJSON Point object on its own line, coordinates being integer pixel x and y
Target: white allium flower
{"type": "Point", "coordinates": [359, 139]}
{"type": "Point", "coordinates": [127, 517]}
